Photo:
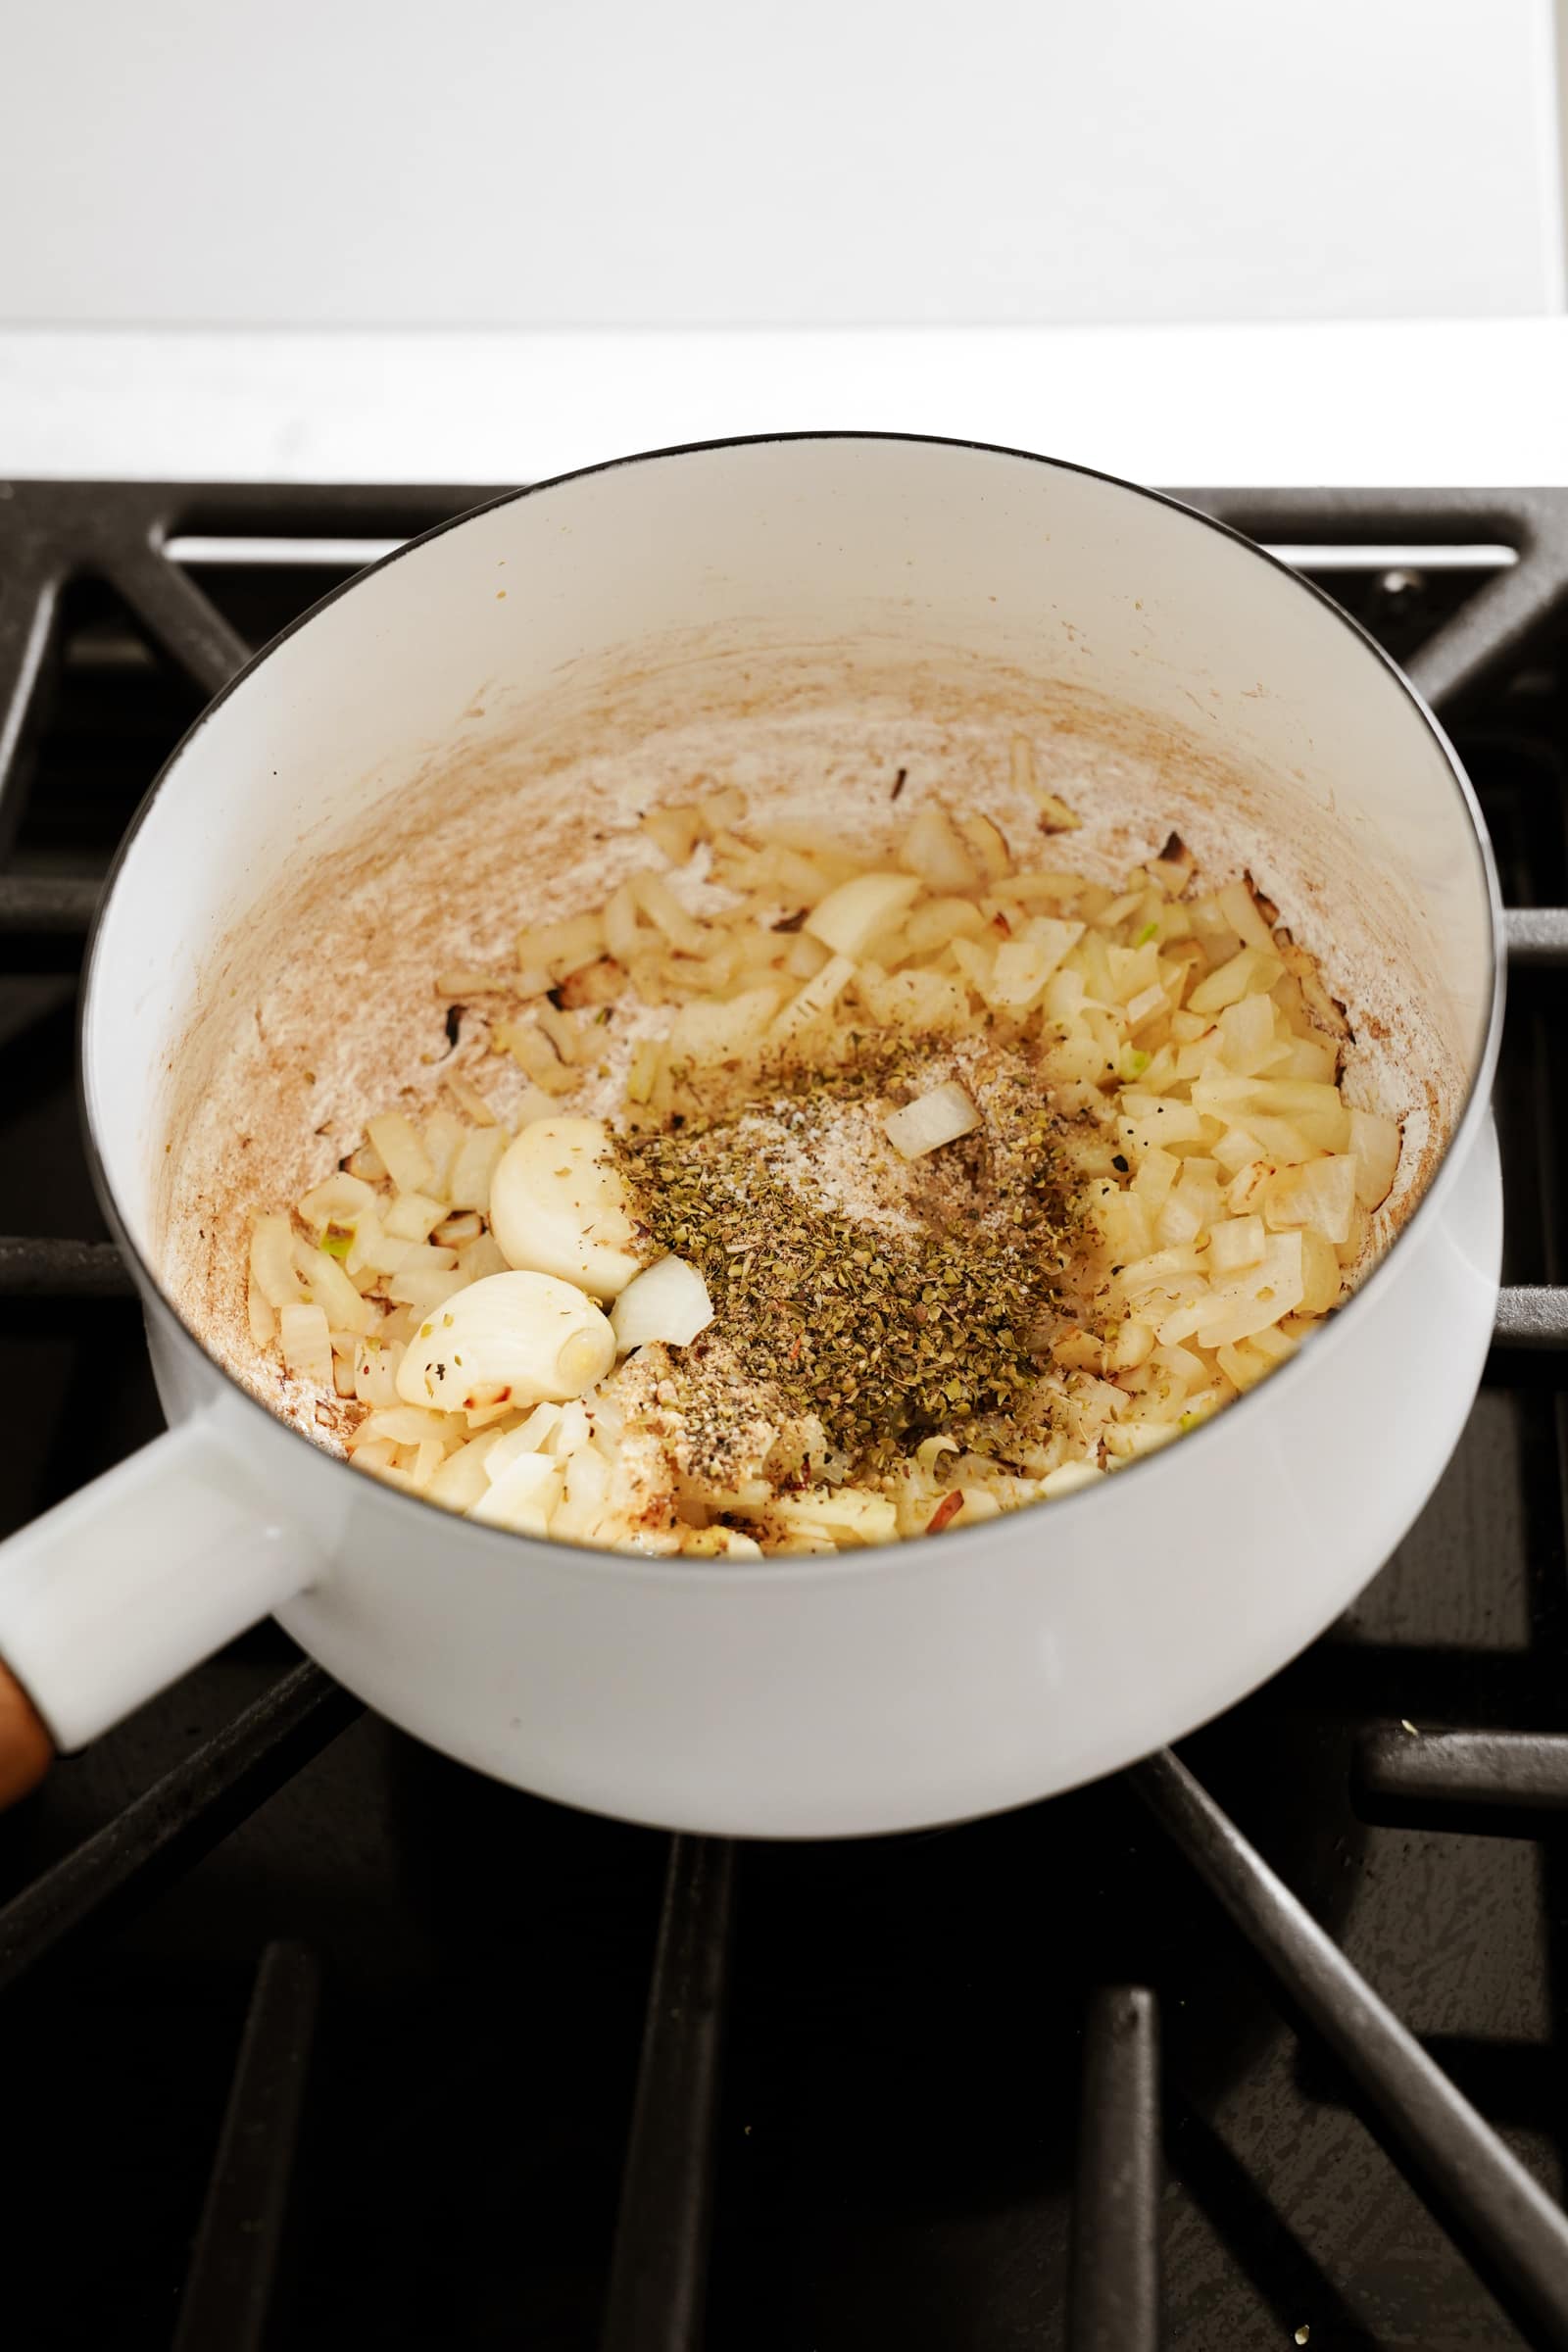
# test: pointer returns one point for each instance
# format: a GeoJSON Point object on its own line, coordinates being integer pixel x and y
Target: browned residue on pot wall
{"type": "Point", "coordinates": [324, 1011]}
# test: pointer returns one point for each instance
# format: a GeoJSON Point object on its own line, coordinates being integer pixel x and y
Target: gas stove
{"type": "Point", "coordinates": [309, 2037]}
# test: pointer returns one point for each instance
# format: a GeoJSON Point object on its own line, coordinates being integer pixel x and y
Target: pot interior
{"type": "Point", "coordinates": [465, 740]}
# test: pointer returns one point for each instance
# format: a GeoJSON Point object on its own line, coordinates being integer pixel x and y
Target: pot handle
{"type": "Point", "coordinates": [129, 1583]}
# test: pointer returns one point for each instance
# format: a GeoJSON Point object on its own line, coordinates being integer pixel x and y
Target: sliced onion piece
{"type": "Point", "coordinates": [1375, 1149]}
{"type": "Point", "coordinates": [376, 1371]}
{"type": "Point", "coordinates": [1319, 1193]}
{"type": "Point", "coordinates": [462, 1480]}
{"type": "Point", "coordinates": [1235, 1242]}
{"type": "Point", "coordinates": [306, 1344]}
{"type": "Point", "coordinates": [340, 1201]}
{"type": "Point", "coordinates": [271, 1264]}
{"type": "Point", "coordinates": [523, 1497]}
{"type": "Point", "coordinates": [856, 1512]}
{"type": "Point", "coordinates": [818, 997]}
{"type": "Point", "coordinates": [931, 1120]}
{"type": "Point", "coordinates": [668, 1301]}
{"type": "Point", "coordinates": [850, 917]}
{"type": "Point", "coordinates": [533, 1436]}
{"type": "Point", "coordinates": [712, 1030]}
{"type": "Point", "coordinates": [330, 1288]}
{"type": "Point", "coordinates": [934, 852]}
{"type": "Point", "coordinates": [405, 1157]}
{"type": "Point", "coordinates": [413, 1217]}
{"type": "Point", "coordinates": [475, 1165]}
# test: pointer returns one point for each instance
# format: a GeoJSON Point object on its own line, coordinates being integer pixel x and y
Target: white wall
{"type": "Point", "coordinates": [821, 161]}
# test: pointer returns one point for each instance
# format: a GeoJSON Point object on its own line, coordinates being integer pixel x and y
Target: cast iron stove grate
{"type": "Point", "coordinates": [907, 2092]}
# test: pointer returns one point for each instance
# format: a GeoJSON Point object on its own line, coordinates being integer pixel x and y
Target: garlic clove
{"type": "Point", "coordinates": [557, 1205]}
{"type": "Point", "coordinates": [666, 1302]}
{"type": "Point", "coordinates": [521, 1337]}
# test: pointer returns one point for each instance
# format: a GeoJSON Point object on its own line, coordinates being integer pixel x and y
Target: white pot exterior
{"type": "Point", "coordinates": [892, 1688]}
{"type": "Point", "coordinates": [926, 1682]}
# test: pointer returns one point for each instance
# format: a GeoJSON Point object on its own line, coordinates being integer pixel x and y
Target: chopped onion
{"type": "Point", "coordinates": [1321, 1278]}
{"type": "Point", "coordinates": [371, 1251]}
{"type": "Point", "coordinates": [408, 1425]}
{"type": "Point", "coordinates": [330, 1289]}
{"type": "Point", "coordinates": [524, 1496]}
{"type": "Point", "coordinates": [990, 845]}
{"type": "Point", "coordinates": [931, 1120]}
{"type": "Point", "coordinates": [413, 1217]}
{"type": "Point", "coordinates": [273, 1269]}
{"type": "Point", "coordinates": [710, 1029]}
{"type": "Point", "coordinates": [307, 1344]}
{"type": "Point", "coordinates": [666, 911]}
{"type": "Point", "coordinates": [462, 1480]}
{"type": "Point", "coordinates": [406, 1160]}
{"type": "Point", "coordinates": [473, 1169]}
{"type": "Point", "coordinates": [1319, 1193]}
{"type": "Point", "coordinates": [850, 917]}
{"type": "Point", "coordinates": [558, 949]}
{"type": "Point", "coordinates": [341, 1201]}
{"type": "Point", "coordinates": [1235, 1242]}
{"type": "Point", "coordinates": [818, 997]}
{"type": "Point", "coordinates": [456, 1232]}
{"type": "Point", "coordinates": [1248, 969]}
{"type": "Point", "coordinates": [423, 1286]}
{"type": "Point", "coordinates": [476, 1259]}
{"type": "Point", "coordinates": [668, 1301]}
{"type": "Point", "coordinates": [924, 1002]}
{"type": "Point", "coordinates": [1055, 815]}
{"type": "Point", "coordinates": [263, 1321]}
{"type": "Point", "coordinates": [675, 831]}
{"type": "Point", "coordinates": [843, 1511]}
{"type": "Point", "coordinates": [468, 1099]}
{"type": "Point", "coordinates": [534, 1055]}
{"type": "Point", "coordinates": [1248, 1035]}
{"type": "Point", "coordinates": [444, 1139]}
{"type": "Point", "coordinates": [1249, 1302]}
{"type": "Point", "coordinates": [1375, 1147]}
{"type": "Point", "coordinates": [589, 1479]}
{"type": "Point", "coordinates": [932, 850]}
{"type": "Point", "coordinates": [1230, 1185]}
{"type": "Point", "coordinates": [532, 1436]}
{"type": "Point", "coordinates": [376, 1371]}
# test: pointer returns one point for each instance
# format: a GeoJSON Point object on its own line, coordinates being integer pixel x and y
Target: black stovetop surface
{"type": "Point", "coordinates": [454, 1974]}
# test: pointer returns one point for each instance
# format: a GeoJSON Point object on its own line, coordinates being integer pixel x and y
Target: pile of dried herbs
{"type": "Point", "coordinates": [886, 1336]}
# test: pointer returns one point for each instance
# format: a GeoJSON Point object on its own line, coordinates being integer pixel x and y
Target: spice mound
{"type": "Point", "coordinates": [804, 1196]}
{"type": "Point", "coordinates": [862, 1299]}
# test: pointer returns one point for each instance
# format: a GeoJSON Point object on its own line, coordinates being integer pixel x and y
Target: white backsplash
{"type": "Point", "coordinates": [371, 163]}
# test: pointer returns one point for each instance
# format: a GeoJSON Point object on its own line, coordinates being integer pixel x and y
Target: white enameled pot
{"type": "Point", "coordinates": [884, 1688]}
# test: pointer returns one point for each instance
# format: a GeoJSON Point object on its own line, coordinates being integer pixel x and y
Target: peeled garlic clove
{"type": "Point", "coordinates": [666, 1302]}
{"type": "Point", "coordinates": [557, 1205]}
{"type": "Point", "coordinates": [524, 1336]}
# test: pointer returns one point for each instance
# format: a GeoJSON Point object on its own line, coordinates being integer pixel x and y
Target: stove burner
{"type": "Point", "coordinates": [843, 2119]}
